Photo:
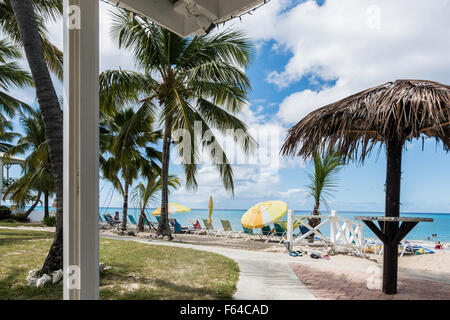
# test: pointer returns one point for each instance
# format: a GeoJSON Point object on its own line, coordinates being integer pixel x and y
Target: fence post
{"type": "Point", "coordinates": [289, 230]}
{"type": "Point", "coordinates": [333, 222]}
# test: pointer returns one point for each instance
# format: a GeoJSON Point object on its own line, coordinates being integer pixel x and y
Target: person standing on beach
{"type": "Point", "coordinates": [116, 217]}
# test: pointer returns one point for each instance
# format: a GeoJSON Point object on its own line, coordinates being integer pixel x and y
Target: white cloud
{"type": "Point", "coordinates": [347, 41]}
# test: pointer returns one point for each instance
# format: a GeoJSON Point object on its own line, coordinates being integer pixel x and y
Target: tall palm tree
{"type": "Point", "coordinates": [322, 181]}
{"type": "Point", "coordinates": [127, 137]}
{"type": "Point", "coordinates": [46, 10]}
{"type": "Point", "coordinates": [37, 172]}
{"type": "Point", "coordinates": [33, 44]}
{"type": "Point", "coordinates": [199, 79]}
{"type": "Point", "coordinates": [144, 194]}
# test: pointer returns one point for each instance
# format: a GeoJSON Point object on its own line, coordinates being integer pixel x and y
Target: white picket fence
{"type": "Point", "coordinates": [343, 232]}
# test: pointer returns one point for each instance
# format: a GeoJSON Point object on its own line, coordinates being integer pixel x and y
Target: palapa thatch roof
{"type": "Point", "coordinates": [404, 109]}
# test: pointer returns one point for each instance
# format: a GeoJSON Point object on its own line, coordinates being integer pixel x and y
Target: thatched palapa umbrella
{"type": "Point", "coordinates": [389, 114]}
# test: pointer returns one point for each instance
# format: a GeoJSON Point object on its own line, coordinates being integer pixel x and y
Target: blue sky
{"type": "Point", "coordinates": [308, 55]}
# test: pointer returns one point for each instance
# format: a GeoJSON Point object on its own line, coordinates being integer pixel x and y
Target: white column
{"type": "Point", "coordinates": [81, 149]}
{"type": "Point", "coordinates": [289, 229]}
{"type": "Point", "coordinates": [333, 222]}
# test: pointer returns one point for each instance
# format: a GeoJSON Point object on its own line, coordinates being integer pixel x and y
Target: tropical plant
{"type": "Point", "coordinates": [37, 172]}
{"type": "Point", "coordinates": [144, 194]}
{"type": "Point", "coordinates": [5, 213]}
{"type": "Point", "coordinates": [11, 75]}
{"type": "Point", "coordinates": [46, 10]}
{"type": "Point", "coordinates": [34, 44]}
{"type": "Point", "coordinates": [200, 79]}
{"type": "Point", "coordinates": [322, 181]}
{"type": "Point", "coordinates": [127, 138]}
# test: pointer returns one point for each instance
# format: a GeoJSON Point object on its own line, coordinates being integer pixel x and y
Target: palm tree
{"type": "Point", "coordinates": [199, 79]}
{"type": "Point", "coordinates": [46, 10]}
{"type": "Point", "coordinates": [30, 36]}
{"type": "Point", "coordinates": [6, 137]}
{"type": "Point", "coordinates": [37, 172]}
{"type": "Point", "coordinates": [322, 181]}
{"type": "Point", "coordinates": [144, 194]}
{"type": "Point", "coordinates": [11, 75]}
{"type": "Point", "coordinates": [127, 138]}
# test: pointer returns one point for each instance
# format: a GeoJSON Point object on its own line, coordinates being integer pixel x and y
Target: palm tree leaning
{"type": "Point", "coordinates": [322, 181]}
{"type": "Point", "coordinates": [144, 194]}
{"type": "Point", "coordinates": [37, 172]}
{"type": "Point", "coordinates": [51, 113]}
{"type": "Point", "coordinates": [199, 79]}
{"type": "Point", "coordinates": [128, 140]}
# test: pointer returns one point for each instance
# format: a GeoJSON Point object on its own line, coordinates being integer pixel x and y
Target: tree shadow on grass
{"type": "Point", "coordinates": [18, 241]}
{"type": "Point", "coordinates": [160, 289]}
{"type": "Point", "coordinates": [13, 287]}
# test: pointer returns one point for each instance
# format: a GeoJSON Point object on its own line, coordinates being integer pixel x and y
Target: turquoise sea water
{"type": "Point", "coordinates": [440, 225]}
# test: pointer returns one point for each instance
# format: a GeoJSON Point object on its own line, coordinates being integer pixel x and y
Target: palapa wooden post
{"type": "Point", "coordinates": [392, 209]}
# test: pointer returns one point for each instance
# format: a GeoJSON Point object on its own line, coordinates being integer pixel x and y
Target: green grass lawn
{"type": "Point", "coordinates": [17, 224]}
{"type": "Point", "coordinates": [139, 271]}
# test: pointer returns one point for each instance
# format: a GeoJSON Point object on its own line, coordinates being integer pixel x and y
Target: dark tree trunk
{"type": "Point", "coordinates": [46, 206]}
{"type": "Point", "coordinates": [314, 222]}
{"type": "Point", "coordinates": [141, 221]}
{"type": "Point", "coordinates": [393, 181]}
{"type": "Point", "coordinates": [51, 114]}
{"type": "Point", "coordinates": [38, 199]}
{"type": "Point", "coordinates": [163, 226]}
{"type": "Point", "coordinates": [125, 200]}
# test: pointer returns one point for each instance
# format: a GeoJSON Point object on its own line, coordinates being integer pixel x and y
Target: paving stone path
{"type": "Point", "coordinates": [335, 285]}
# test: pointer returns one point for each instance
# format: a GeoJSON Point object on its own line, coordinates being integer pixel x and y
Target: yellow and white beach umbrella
{"type": "Point", "coordinates": [263, 214]}
{"type": "Point", "coordinates": [173, 208]}
{"type": "Point", "coordinates": [210, 206]}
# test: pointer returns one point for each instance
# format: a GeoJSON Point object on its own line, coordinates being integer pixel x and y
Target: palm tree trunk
{"type": "Point", "coordinates": [394, 150]}
{"type": "Point", "coordinates": [51, 114]}
{"type": "Point", "coordinates": [163, 227]}
{"type": "Point", "coordinates": [314, 222]}
{"type": "Point", "coordinates": [46, 211]}
{"type": "Point", "coordinates": [125, 201]}
{"type": "Point", "coordinates": [29, 211]}
{"type": "Point", "coordinates": [141, 221]}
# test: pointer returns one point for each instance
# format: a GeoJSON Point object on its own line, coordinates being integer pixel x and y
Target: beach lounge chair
{"type": "Point", "coordinates": [111, 221]}
{"type": "Point", "coordinates": [177, 228]}
{"type": "Point", "coordinates": [227, 229]}
{"type": "Point", "coordinates": [265, 232]}
{"type": "Point", "coordinates": [209, 227]}
{"type": "Point", "coordinates": [279, 232]}
{"type": "Point", "coordinates": [196, 226]}
{"type": "Point", "coordinates": [132, 220]}
{"type": "Point", "coordinates": [249, 233]}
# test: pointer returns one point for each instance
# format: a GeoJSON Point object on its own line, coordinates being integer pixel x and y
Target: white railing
{"type": "Point", "coordinates": [343, 231]}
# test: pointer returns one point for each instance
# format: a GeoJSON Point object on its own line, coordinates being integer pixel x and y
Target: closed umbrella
{"type": "Point", "coordinates": [210, 206]}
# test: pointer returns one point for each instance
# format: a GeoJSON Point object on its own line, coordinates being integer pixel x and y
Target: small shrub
{"type": "Point", "coordinates": [21, 217]}
{"type": "Point", "coordinates": [49, 221]}
{"type": "Point", "coordinates": [5, 213]}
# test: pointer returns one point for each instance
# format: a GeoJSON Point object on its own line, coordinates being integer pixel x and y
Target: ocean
{"type": "Point", "coordinates": [423, 231]}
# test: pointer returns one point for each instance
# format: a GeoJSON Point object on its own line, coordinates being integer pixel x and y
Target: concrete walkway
{"type": "Point", "coordinates": [263, 275]}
